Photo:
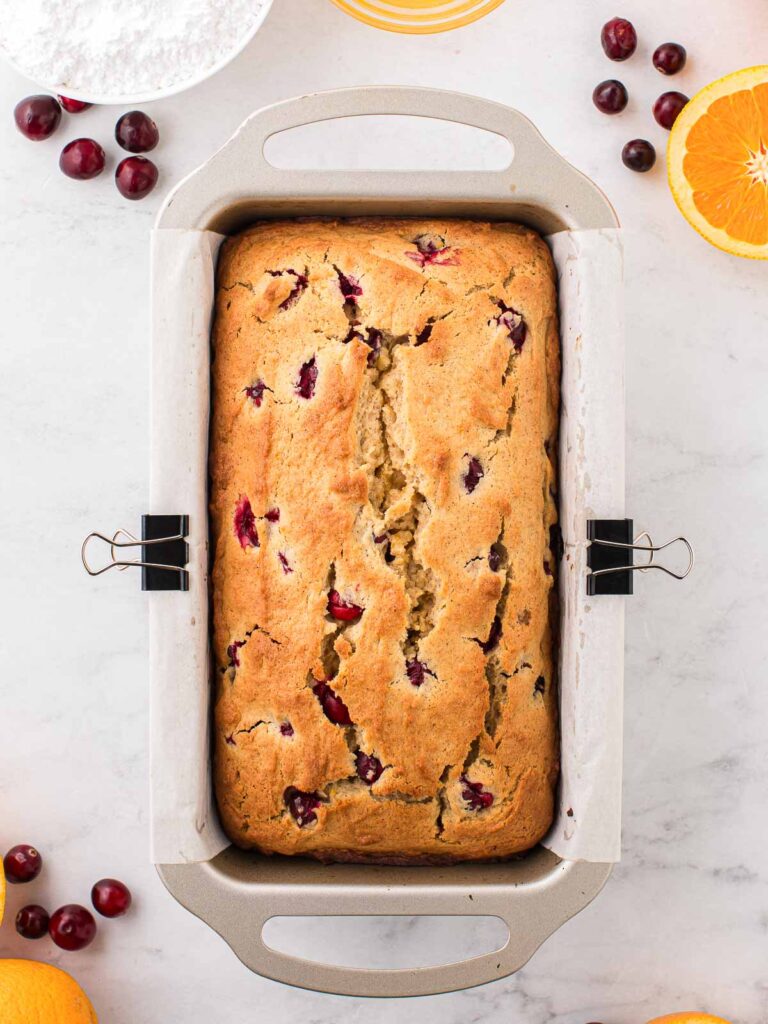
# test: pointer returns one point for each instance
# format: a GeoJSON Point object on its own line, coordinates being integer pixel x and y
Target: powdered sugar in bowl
{"type": "Point", "coordinates": [125, 51]}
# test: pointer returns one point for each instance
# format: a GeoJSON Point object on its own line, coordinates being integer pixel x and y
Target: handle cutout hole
{"type": "Point", "coordinates": [392, 142]}
{"type": "Point", "coordinates": [386, 943]}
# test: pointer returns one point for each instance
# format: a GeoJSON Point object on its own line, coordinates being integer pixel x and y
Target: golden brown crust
{"type": "Point", "coordinates": [404, 436]}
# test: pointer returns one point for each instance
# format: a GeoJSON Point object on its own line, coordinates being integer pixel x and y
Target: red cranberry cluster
{"type": "Point", "coordinates": [244, 527]}
{"type": "Point", "coordinates": [475, 795]}
{"type": "Point", "coordinates": [619, 40]}
{"type": "Point", "coordinates": [72, 926]}
{"type": "Point", "coordinates": [38, 117]}
{"type": "Point", "coordinates": [302, 806]}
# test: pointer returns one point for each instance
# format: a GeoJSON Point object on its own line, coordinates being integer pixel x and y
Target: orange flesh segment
{"type": "Point", "coordinates": [718, 148]}
{"type": "Point", "coordinates": [705, 172]}
{"type": "Point", "coordinates": [751, 222]}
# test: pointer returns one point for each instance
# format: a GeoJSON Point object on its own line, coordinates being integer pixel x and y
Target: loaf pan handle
{"type": "Point", "coordinates": [238, 911]}
{"type": "Point", "coordinates": [537, 177]}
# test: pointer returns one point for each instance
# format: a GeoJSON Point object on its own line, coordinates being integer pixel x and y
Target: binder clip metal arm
{"type": "Point", "coordinates": [610, 556]}
{"type": "Point", "coordinates": [164, 552]}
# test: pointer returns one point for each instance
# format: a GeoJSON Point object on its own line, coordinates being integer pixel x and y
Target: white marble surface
{"type": "Point", "coordinates": [684, 922]}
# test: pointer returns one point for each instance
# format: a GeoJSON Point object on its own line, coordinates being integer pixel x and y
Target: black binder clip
{"type": "Point", "coordinates": [610, 556]}
{"type": "Point", "coordinates": [164, 552]}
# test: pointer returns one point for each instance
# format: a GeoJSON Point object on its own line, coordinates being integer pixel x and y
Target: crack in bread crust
{"type": "Point", "coordinates": [390, 389]}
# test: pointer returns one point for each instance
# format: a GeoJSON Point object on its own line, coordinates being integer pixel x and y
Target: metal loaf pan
{"type": "Point", "coordinates": [237, 893]}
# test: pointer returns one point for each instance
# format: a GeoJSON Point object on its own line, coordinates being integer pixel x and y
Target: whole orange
{"type": "Point", "coordinates": [33, 991]}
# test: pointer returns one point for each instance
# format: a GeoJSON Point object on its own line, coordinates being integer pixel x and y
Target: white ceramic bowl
{"type": "Point", "coordinates": [126, 99]}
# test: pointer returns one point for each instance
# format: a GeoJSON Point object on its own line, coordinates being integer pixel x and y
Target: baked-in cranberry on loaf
{"type": "Point", "coordinates": [385, 405]}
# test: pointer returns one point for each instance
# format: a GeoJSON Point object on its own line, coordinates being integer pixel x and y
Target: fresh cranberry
{"type": "Point", "coordinates": [234, 658]}
{"type": "Point", "coordinates": [301, 282]}
{"type": "Point", "coordinates": [514, 324]}
{"type": "Point", "coordinates": [245, 524]}
{"type": "Point", "coordinates": [32, 921]}
{"type": "Point", "coordinates": [273, 516]}
{"type": "Point", "coordinates": [344, 611]}
{"type": "Point", "coordinates": [22, 864]}
{"type": "Point", "coordinates": [619, 39]}
{"type": "Point", "coordinates": [302, 805]}
{"type": "Point", "coordinates": [610, 97]}
{"type": "Point", "coordinates": [305, 385]}
{"type": "Point", "coordinates": [73, 106]}
{"type": "Point", "coordinates": [639, 155]}
{"type": "Point", "coordinates": [82, 159]}
{"type": "Point", "coordinates": [417, 672]}
{"type": "Point", "coordinates": [474, 474]}
{"type": "Point", "coordinates": [369, 768]}
{"type": "Point", "coordinates": [37, 117]}
{"type": "Point", "coordinates": [669, 58]}
{"type": "Point", "coordinates": [72, 927]}
{"type": "Point", "coordinates": [334, 707]}
{"type": "Point", "coordinates": [474, 794]}
{"type": "Point", "coordinates": [110, 897]}
{"type": "Point", "coordinates": [136, 132]}
{"type": "Point", "coordinates": [135, 177]}
{"type": "Point", "coordinates": [432, 249]}
{"type": "Point", "coordinates": [667, 108]}
{"type": "Point", "coordinates": [284, 562]}
{"type": "Point", "coordinates": [350, 287]}
{"type": "Point", "coordinates": [256, 391]}
{"type": "Point", "coordinates": [286, 729]}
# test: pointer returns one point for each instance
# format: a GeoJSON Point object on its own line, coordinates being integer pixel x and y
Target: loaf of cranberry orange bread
{"type": "Point", "coordinates": [385, 406]}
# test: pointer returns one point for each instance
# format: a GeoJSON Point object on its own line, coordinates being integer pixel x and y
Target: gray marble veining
{"type": "Point", "coordinates": [684, 921]}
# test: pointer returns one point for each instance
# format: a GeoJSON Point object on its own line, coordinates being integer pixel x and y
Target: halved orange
{"type": "Point", "coordinates": [717, 162]}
